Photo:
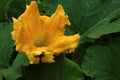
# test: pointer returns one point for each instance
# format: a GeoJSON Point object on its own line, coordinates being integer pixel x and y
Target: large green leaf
{"type": "Point", "coordinates": [94, 11]}
{"type": "Point", "coordinates": [110, 24]}
{"type": "Point", "coordinates": [9, 71]}
{"type": "Point", "coordinates": [84, 14]}
{"type": "Point", "coordinates": [62, 69]}
{"type": "Point", "coordinates": [103, 62]}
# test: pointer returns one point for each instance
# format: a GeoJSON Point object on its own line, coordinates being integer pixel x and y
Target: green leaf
{"type": "Point", "coordinates": [6, 43]}
{"type": "Point", "coordinates": [1, 77]}
{"type": "Point", "coordinates": [15, 71]}
{"type": "Point", "coordinates": [103, 62]}
{"type": "Point", "coordinates": [110, 24]}
{"type": "Point", "coordinates": [94, 11]}
{"type": "Point", "coordinates": [7, 70]}
{"type": "Point", "coordinates": [11, 8]}
{"type": "Point", "coordinates": [14, 8]}
{"type": "Point", "coordinates": [62, 69]}
{"type": "Point", "coordinates": [50, 6]}
{"type": "Point", "coordinates": [78, 55]}
{"type": "Point", "coordinates": [3, 4]}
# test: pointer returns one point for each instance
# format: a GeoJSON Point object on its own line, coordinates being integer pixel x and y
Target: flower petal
{"type": "Point", "coordinates": [48, 57]}
{"type": "Point", "coordinates": [32, 58]}
{"type": "Point", "coordinates": [64, 44]}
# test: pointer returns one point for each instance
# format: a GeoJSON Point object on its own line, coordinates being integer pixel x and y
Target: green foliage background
{"type": "Point", "coordinates": [96, 58]}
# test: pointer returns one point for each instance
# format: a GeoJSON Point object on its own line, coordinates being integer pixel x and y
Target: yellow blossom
{"type": "Point", "coordinates": [35, 34]}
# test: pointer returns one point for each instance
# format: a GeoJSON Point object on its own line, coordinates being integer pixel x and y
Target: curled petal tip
{"type": "Point", "coordinates": [14, 19]}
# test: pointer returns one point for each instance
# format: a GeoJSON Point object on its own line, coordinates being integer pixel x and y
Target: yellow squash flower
{"type": "Point", "coordinates": [35, 34]}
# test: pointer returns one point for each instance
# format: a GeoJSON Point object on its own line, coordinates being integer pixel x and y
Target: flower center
{"type": "Point", "coordinates": [40, 41]}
